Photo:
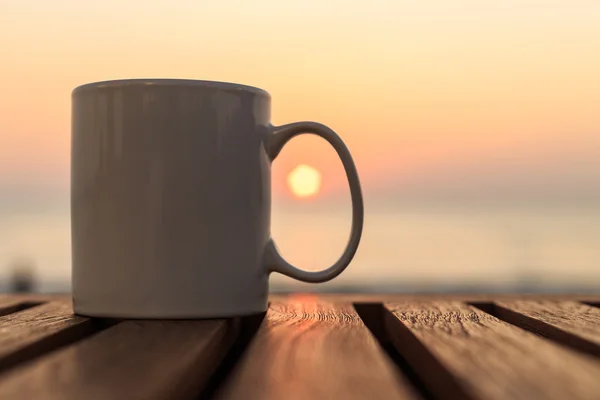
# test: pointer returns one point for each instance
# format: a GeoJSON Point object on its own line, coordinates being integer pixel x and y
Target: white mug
{"type": "Point", "coordinates": [171, 199]}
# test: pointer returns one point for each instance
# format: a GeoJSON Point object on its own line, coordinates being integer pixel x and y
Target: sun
{"type": "Point", "coordinates": [304, 181]}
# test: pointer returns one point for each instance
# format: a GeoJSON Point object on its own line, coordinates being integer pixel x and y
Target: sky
{"type": "Point", "coordinates": [434, 98]}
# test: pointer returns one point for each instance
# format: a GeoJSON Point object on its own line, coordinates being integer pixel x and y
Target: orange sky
{"type": "Point", "coordinates": [411, 86]}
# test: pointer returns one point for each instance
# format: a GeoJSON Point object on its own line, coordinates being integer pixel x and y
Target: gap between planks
{"type": "Point", "coordinates": [309, 348]}
{"type": "Point", "coordinates": [12, 305]}
{"type": "Point", "coordinates": [33, 330]}
{"type": "Point", "coordinates": [458, 348]}
{"type": "Point", "coordinates": [130, 360]}
{"type": "Point", "coordinates": [571, 324]}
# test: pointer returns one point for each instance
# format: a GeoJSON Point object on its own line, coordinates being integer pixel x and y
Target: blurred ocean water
{"type": "Point", "coordinates": [407, 249]}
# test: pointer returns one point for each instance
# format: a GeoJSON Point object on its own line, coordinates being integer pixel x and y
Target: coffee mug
{"type": "Point", "coordinates": [171, 199]}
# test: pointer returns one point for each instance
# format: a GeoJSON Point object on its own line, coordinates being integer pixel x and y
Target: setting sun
{"type": "Point", "coordinates": [304, 181]}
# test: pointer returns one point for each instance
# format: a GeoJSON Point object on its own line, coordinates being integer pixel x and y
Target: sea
{"type": "Point", "coordinates": [403, 249]}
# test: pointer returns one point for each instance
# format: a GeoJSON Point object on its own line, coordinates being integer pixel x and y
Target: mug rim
{"type": "Point", "coordinates": [226, 86]}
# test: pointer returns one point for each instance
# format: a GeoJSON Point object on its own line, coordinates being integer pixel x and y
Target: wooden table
{"type": "Point", "coordinates": [310, 347]}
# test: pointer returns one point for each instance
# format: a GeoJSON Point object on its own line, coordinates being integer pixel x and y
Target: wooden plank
{"type": "Point", "coordinates": [131, 360]}
{"type": "Point", "coordinates": [9, 305]}
{"type": "Point", "coordinates": [570, 323]}
{"type": "Point", "coordinates": [458, 349]}
{"type": "Point", "coordinates": [36, 330]}
{"type": "Point", "coordinates": [311, 349]}
{"type": "Point", "coordinates": [419, 297]}
{"type": "Point", "coordinates": [34, 298]}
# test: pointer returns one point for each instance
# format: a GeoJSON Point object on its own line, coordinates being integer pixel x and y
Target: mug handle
{"type": "Point", "coordinates": [277, 137]}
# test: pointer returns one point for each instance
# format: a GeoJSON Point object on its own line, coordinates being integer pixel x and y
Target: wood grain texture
{"type": "Point", "coordinates": [314, 350]}
{"type": "Point", "coordinates": [31, 332]}
{"type": "Point", "coordinates": [419, 297]}
{"type": "Point", "coordinates": [9, 305]}
{"type": "Point", "coordinates": [459, 349]}
{"type": "Point", "coordinates": [34, 297]}
{"type": "Point", "coordinates": [573, 324]}
{"type": "Point", "coordinates": [131, 360]}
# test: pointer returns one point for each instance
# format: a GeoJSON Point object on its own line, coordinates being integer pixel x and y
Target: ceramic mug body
{"type": "Point", "coordinates": [170, 199]}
